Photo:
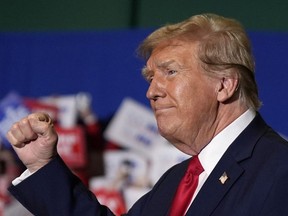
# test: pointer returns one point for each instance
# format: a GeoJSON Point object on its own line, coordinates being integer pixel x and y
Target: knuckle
{"type": "Point", "coordinates": [14, 127]}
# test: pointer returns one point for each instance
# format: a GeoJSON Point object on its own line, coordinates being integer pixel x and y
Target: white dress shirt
{"type": "Point", "coordinates": [212, 152]}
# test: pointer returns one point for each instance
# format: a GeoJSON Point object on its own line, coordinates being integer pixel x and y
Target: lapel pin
{"type": "Point", "coordinates": [223, 178]}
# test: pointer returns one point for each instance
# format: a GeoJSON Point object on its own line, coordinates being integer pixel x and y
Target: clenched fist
{"type": "Point", "coordinates": [34, 139]}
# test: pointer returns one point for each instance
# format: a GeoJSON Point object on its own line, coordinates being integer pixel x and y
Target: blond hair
{"type": "Point", "coordinates": [224, 49]}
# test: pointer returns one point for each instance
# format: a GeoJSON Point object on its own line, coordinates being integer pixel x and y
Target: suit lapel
{"type": "Point", "coordinates": [213, 191]}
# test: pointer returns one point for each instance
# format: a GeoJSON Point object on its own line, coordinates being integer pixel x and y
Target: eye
{"type": "Point", "coordinates": [171, 72]}
{"type": "Point", "coordinates": [149, 79]}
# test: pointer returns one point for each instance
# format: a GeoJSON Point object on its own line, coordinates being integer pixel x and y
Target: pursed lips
{"type": "Point", "coordinates": [161, 108]}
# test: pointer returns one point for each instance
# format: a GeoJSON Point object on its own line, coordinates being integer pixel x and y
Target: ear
{"type": "Point", "coordinates": [226, 88]}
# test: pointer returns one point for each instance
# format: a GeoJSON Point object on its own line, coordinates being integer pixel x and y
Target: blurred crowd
{"type": "Point", "coordinates": [119, 157]}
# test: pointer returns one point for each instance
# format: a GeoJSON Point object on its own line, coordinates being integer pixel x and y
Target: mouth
{"type": "Point", "coordinates": [158, 109]}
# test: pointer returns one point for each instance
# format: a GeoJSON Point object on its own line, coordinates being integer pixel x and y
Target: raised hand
{"type": "Point", "coordinates": [34, 139]}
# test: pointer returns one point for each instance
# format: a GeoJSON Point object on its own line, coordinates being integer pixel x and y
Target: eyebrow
{"type": "Point", "coordinates": [146, 72]}
{"type": "Point", "coordinates": [165, 64]}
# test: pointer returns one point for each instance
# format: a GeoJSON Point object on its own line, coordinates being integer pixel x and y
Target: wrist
{"type": "Point", "coordinates": [34, 167]}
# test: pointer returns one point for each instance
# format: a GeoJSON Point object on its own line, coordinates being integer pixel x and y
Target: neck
{"type": "Point", "coordinates": [224, 117]}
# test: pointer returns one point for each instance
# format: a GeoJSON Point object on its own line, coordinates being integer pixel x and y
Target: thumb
{"type": "Point", "coordinates": [41, 123]}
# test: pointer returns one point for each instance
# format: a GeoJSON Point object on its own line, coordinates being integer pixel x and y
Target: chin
{"type": "Point", "coordinates": [164, 126]}
{"type": "Point", "coordinates": [164, 132]}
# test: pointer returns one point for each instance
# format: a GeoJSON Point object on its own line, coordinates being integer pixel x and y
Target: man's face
{"type": "Point", "coordinates": [182, 97]}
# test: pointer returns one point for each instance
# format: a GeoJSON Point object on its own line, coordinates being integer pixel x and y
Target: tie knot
{"type": "Point", "coordinates": [195, 167]}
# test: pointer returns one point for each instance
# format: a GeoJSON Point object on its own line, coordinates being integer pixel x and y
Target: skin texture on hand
{"type": "Point", "coordinates": [34, 139]}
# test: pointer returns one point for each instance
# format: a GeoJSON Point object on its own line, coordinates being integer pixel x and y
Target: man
{"type": "Point", "coordinates": [204, 96]}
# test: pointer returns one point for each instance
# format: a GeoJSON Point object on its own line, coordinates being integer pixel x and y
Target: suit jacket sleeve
{"type": "Point", "coordinates": [54, 190]}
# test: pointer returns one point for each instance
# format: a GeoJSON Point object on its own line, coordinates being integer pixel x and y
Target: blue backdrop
{"type": "Point", "coordinates": [105, 64]}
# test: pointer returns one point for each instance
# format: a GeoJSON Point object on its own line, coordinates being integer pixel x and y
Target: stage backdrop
{"type": "Point", "coordinates": [105, 64]}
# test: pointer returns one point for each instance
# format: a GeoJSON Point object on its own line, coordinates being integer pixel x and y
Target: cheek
{"type": "Point", "coordinates": [196, 99]}
{"type": "Point", "coordinates": [186, 94]}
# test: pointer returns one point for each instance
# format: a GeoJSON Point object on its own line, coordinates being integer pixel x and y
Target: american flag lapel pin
{"type": "Point", "coordinates": [223, 178]}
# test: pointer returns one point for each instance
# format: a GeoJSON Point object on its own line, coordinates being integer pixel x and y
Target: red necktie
{"type": "Point", "coordinates": [186, 188]}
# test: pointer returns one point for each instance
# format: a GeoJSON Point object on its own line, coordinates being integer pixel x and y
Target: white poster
{"type": "Point", "coordinates": [134, 126]}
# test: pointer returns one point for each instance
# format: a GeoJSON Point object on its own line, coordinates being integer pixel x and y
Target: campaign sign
{"type": "Point", "coordinates": [126, 168]}
{"type": "Point", "coordinates": [72, 146]}
{"type": "Point", "coordinates": [12, 109]}
{"type": "Point", "coordinates": [111, 198]}
{"type": "Point", "coordinates": [161, 159]}
{"type": "Point", "coordinates": [67, 109]}
{"type": "Point", "coordinates": [134, 127]}
{"type": "Point", "coordinates": [35, 105]}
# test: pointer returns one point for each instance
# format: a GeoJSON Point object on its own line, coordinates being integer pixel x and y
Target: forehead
{"type": "Point", "coordinates": [174, 51]}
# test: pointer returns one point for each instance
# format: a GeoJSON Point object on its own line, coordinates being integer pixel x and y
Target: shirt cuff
{"type": "Point", "coordinates": [22, 177]}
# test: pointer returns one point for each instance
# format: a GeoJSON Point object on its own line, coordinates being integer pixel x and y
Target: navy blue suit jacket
{"type": "Point", "coordinates": [256, 164]}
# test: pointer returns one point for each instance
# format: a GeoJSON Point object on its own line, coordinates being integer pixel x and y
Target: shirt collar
{"type": "Point", "coordinates": [212, 153]}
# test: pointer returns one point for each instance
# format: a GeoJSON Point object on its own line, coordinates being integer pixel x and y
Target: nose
{"type": "Point", "coordinates": [156, 88]}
